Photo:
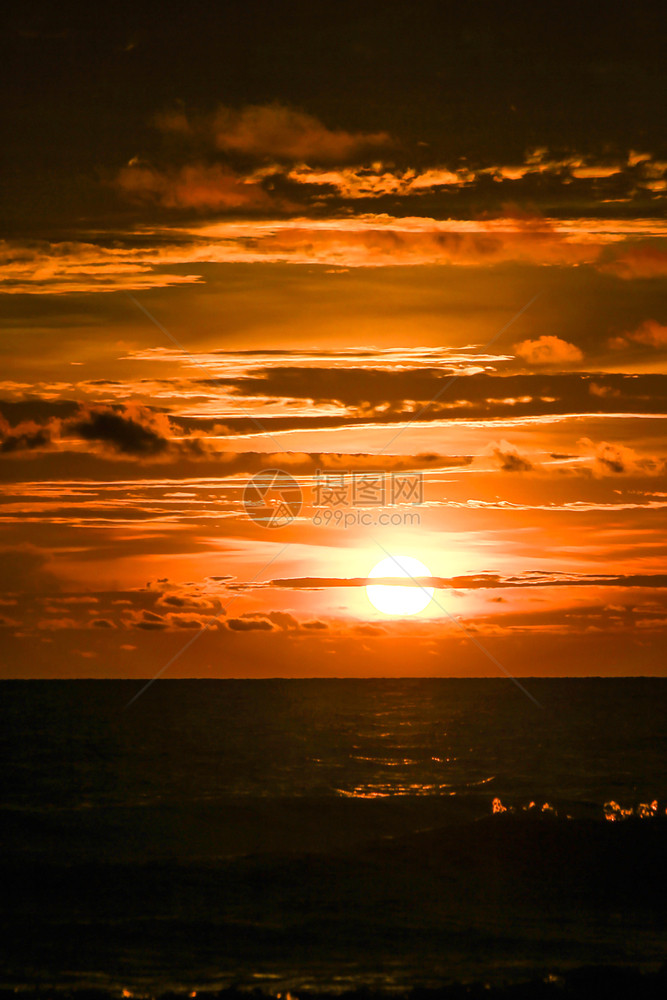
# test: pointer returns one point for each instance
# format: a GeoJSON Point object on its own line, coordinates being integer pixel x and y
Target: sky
{"type": "Point", "coordinates": [292, 289]}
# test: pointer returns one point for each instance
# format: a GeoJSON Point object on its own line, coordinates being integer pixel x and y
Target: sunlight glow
{"type": "Point", "coordinates": [399, 600]}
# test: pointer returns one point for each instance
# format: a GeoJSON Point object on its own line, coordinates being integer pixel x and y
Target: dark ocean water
{"type": "Point", "coordinates": [330, 833]}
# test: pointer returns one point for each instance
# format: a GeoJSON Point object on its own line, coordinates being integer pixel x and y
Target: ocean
{"type": "Point", "coordinates": [330, 835]}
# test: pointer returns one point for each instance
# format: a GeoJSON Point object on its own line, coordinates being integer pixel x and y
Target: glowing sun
{"type": "Point", "coordinates": [399, 600]}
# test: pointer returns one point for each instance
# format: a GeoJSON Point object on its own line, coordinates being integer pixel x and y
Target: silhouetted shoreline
{"type": "Point", "coordinates": [611, 982]}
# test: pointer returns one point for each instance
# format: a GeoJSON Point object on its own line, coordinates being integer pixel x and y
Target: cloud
{"type": "Point", "coordinates": [281, 618]}
{"type": "Point", "coordinates": [188, 601]}
{"type": "Point", "coordinates": [478, 581]}
{"type": "Point", "coordinates": [548, 350]}
{"type": "Point", "coordinates": [400, 394]}
{"type": "Point", "coordinates": [295, 150]}
{"type": "Point", "coordinates": [649, 334]}
{"type": "Point", "coordinates": [109, 440]}
{"type": "Point", "coordinates": [137, 431]}
{"type": "Point", "coordinates": [269, 621]}
{"type": "Point", "coordinates": [273, 132]}
{"type": "Point", "coordinates": [509, 459]}
{"type": "Point", "coordinates": [367, 629]}
{"type": "Point", "coordinates": [619, 460]}
{"type": "Point", "coordinates": [642, 261]}
{"type": "Point", "coordinates": [383, 241]}
{"type": "Point", "coordinates": [70, 599]}
{"type": "Point", "coordinates": [40, 267]}
{"type": "Point", "coordinates": [603, 391]}
{"type": "Point", "coordinates": [26, 436]}
{"type": "Point", "coordinates": [147, 620]}
{"type": "Point", "coordinates": [191, 621]}
{"type": "Point", "coordinates": [205, 619]}
{"type": "Point", "coordinates": [378, 181]}
{"type": "Point", "coordinates": [250, 625]}
{"type": "Point", "coordinates": [56, 624]}
{"type": "Point", "coordinates": [121, 429]}
{"type": "Point", "coordinates": [198, 186]}
{"type": "Point", "coordinates": [155, 256]}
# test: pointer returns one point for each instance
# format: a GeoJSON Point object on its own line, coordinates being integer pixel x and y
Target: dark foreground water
{"type": "Point", "coordinates": [329, 834]}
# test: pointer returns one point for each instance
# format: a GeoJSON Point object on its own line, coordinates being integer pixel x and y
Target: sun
{"type": "Point", "coordinates": [399, 600]}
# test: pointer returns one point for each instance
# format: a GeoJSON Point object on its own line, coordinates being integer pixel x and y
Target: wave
{"type": "Point", "coordinates": [502, 893]}
{"type": "Point", "coordinates": [580, 983]}
{"type": "Point", "coordinates": [611, 810]}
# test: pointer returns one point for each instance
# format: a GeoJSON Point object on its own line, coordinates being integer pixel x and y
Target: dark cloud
{"type": "Point", "coordinates": [613, 459]}
{"type": "Point", "coordinates": [174, 600]}
{"type": "Point", "coordinates": [250, 625]}
{"type": "Point", "coordinates": [189, 598]}
{"type": "Point", "coordinates": [147, 620]}
{"type": "Point", "coordinates": [134, 432]}
{"type": "Point", "coordinates": [271, 621]}
{"type": "Point", "coordinates": [195, 460]}
{"type": "Point", "coordinates": [25, 440]}
{"type": "Point", "coordinates": [393, 396]}
{"type": "Point", "coordinates": [509, 459]}
{"type": "Point", "coordinates": [479, 581]}
{"type": "Point", "coordinates": [27, 435]}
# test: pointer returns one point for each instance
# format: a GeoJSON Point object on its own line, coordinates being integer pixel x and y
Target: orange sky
{"type": "Point", "coordinates": [261, 285]}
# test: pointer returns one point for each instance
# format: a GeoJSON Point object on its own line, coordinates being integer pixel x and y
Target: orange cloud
{"type": "Point", "coordinates": [43, 268]}
{"type": "Point", "coordinates": [650, 333]}
{"type": "Point", "coordinates": [24, 437]}
{"type": "Point", "coordinates": [370, 240]}
{"type": "Point", "coordinates": [378, 180]}
{"type": "Point", "coordinates": [198, 186]}
{"type": "Point", "coordinates": [548, 350]}
{"type": "Point", "coordinates": [381, 241]}
{"type": "Point", "coordinates": [641, 261]}
{"type": "Point", "coordinates": [273, 131]}
{"type": "Point", "coordinates": [610, 459]}
{"type": "Point", "coordinates": [594, 172]}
